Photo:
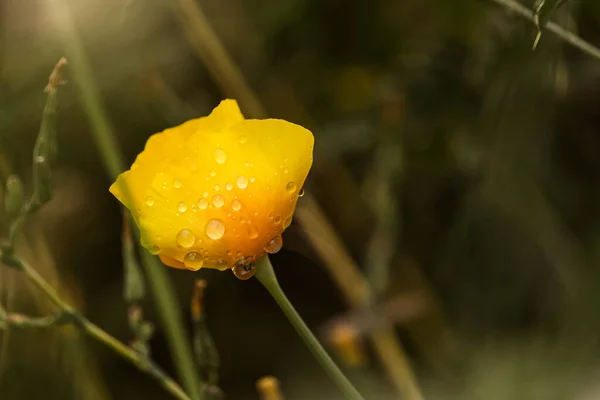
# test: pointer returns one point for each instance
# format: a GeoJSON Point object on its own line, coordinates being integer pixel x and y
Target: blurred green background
{"type": "Point", "coordinates": [453, 162]}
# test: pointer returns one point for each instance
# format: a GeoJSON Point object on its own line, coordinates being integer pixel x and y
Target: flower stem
{"type": "Point", "coordinates": [266, 276]}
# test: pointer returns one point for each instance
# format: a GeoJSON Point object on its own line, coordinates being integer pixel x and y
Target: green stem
{"type": "Point", "coordinates": [266, 276]}
{"type": "Point", "coordinates": [104, 137]}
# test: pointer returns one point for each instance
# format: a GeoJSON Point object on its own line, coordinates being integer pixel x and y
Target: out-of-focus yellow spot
{"type": "Point", "coordinates": [268, 388]}
{"type": "Point", "coordinates": [217, 190]}
{"type": "Point", "coordinates": [347, 342]}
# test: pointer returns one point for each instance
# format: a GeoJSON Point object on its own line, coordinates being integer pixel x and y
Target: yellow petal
{"type": "Point", "coordinates": [228, 193]}
{"type": "Point", "coordinates": [162, 148]}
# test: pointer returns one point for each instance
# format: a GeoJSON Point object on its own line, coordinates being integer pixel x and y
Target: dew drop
{"type": "Point", "coordinates": [277, 219]}
{"type": "Point", "coordinates": [244, 268]}
{"type": "Point", "coordinates": [205, 194]}
{"type": "Point", "coordinates": [185, 238]}
{"type": "Point", "coordinates": [154, 249]}
{"type": "Point", "coordinates": [228, 252]}
{"type": "Point", "coordinates": [243, 139]}
{"type": "Point", "coordinates": [274, 245]}
{"type": "Point", "coordinates": [229, 186]}
{"type": "Point", "coordinates": [285, 170]}
{"type": "Point", "coordinates": [252, 232]}
{"type": "Point", "coordinates": [236, 205]}
{"type": "Point", "coordinates": [291, 187]}
{"type": "Point", "coordinates": [176, 183]}
{"type": "Point", "coordinates": [252, 179]}
{"type": "Point", "coordinates": [217, 188]}
{"type": "Point", "coordinates": [149, 201]}
{"type": "Point", "coordinates": [287, 222]}
{"type": "Point", "coordinates": [220, 156]}
{"type": "Point", "coordinates": [218, 200]}
{"type": "Point", "coordinates": [212, 173]}
{"type": "Point", "coordinates": [221, 265]}
{"type": "Point", "coordinates": [301, 193]}
{"type": "Point", "coordinates": [182, 207]}
{"type": "Point", "coordinates": [193, 261]}
{"type": "Point", "coordinates": [202, 204]}
{"type": "Point", "coordinates": [242, 182]}
{"type": "Point", "coordinates": [215, 229]}
{"type": "Point", "coordinates": [270, 215]}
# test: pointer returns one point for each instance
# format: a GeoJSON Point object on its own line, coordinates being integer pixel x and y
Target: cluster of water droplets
{"type": "Point", "coordinates": [244, 268]}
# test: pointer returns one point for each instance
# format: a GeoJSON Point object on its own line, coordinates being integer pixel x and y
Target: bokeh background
{"type": "Point", "coordinates": [458, 168]}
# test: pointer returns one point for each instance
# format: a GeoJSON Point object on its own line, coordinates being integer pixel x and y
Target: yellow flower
{"type": "Point", "coordinates": [217, 191]}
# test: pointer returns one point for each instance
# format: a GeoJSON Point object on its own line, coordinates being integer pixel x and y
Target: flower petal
{"type": "Point", "coordinates": [162, 148]}
{"type": "Point", "coordinates": [228, 194]}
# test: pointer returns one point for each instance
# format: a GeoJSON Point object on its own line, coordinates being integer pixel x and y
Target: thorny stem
{"type": "Point", "coordinates": [559, 31]}
{"type": "Point", "coordinates": [266, 276]}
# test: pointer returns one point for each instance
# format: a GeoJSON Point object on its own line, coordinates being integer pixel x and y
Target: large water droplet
{"type": "Point", "coordinates": [149, 201]}
{"type": "Point", "coordinates": [176, 183]}
{"type": "Point", "coordinates": [154, 249]}
{"type": "Point", "coordinates": [218, 200]}
{"type": "Point", "coordinates": [291, 187]}
{"type": "Point", "coordinates": [193, 261]}
{"type": "Point", "coordinates": [229, 186]}
{"type": "Point", "coordinates": [185, 238]}
{"type": "Point", "coordinates": [203, 204]}
{"type": "Point", "coordinates": [220, 156]}
{"type": "Point", "coordinates": [274, 245]}
{"type": "Point", "coordinates": [244, 268]}
{"type": "Point", "coordinates": [182, 207]}
{"type": "Point", "coordinates": [215, 229]}
{"type": "Point", "coordinates": [252, 232]}
{"type": "Point", "coordinates": [242, 182]}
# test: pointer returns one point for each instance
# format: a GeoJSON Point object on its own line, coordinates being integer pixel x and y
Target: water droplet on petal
{"type": "Point", "coordinates": [236, 205]}
{"type": "Point", "coordinates": [193, 261]}
{"type": "Point", "coordinates": [287, 222]}
{"type": "Point", "coordinates": [185, 238]}
{"type": "Point", "coordinates": [243, 139]}
{"type": "Point", "coordinates": [212, 173]}
{"type": "Point", "coordinates": [217, 188]}
{"type": "Point", "coordinates": [277, 219]}
{"type": "Point", "coordinates": [242, 182]}
{"type": "Point", "coordinates": [285, 170]}
{"type": "Point", "coordinates": [274, 245]}
{"type": "Point", "coordinates": [218, 200]}
{"type": "Point", "coordinates": [154, 249]}
{"type": "Point", "coordinates": [244, 268]}
{"type": "Point", "coordinates": [252, 179]}
{"type": "Point", "coordinates": [149, 201]}
{"type": "Point", "coordinates": [176, 183]}
{"type": "Point", "coordinates": [252, 232]}
{"type": "Point", "coordinates": [291, 187]}
{"type": "Point", "coordinates": [220, 156]}
{"type": "Point", "coordinates": [222, 265]}
{"type": "Point", "coordinates": [301, 193]}
{"type": "Point", "coordinates": [215, 229]}
{"type": "Point", "coordinates": [182, 207]}
{"type": "Point", "coordinates": [202, 204]}
{"type": "Point", "coordinates": [229, 186]}
{"type": "Point", "coordinates": [205, 194]}
{"type": "Point", "coordinates": [270, 215]}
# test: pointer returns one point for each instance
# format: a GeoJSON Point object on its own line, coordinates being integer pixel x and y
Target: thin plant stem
{"type": "Point", "coordinates": [104, 137]}
{"type": "Point", "coordinates": [266, 276]}
{"type": "Point", "coordinates": [553, 27]}
{"type": "Point", "coordinates": [92, 330]}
